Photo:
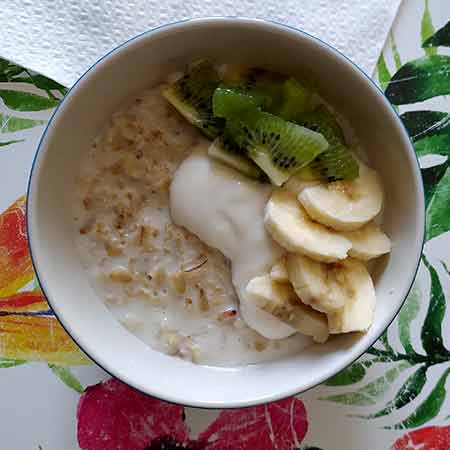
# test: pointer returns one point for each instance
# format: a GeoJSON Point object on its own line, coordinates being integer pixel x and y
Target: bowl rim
{"type": "Point", "coordinates": [166, 396]}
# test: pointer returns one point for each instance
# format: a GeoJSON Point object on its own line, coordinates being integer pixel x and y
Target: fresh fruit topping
{"type": "Point", "coordinates": [264, 323]}
{"type": "Point", "coordinates": [337, 162]}
{"type": "Point", "coordinates": [305, 177]}
{"type": "Point", "coordinates": [279, 299]}
{"type": "Point", "coordinates": [318, 285]}
{"type": "Point", "coordinates": [270, 295]}
{"type": "Point", "coordinates": [279, 271]}
{"type": "Point", "coordinates": [310, 323]}
{"type": "Point", "coordinates": [345, 205]}
{"type": "Point", "coordinates": [278, 147]}
{"type": "Point", "coordinates": [229, 103]}
{"type": "Point", "coordinates": [192, 95]}
{"type": "Point", "coordinates": [296, 100]}
{"type": "Point", "coordinates": [228, 152]}
{"type": "Point", "coordinates": [260, 83]}
{"type": "Point", "coordinates": [291, 227]}
{"type": "Point", "coordinates": [368, 242]}
{"type": "Point", "coordinates": [358, 311]}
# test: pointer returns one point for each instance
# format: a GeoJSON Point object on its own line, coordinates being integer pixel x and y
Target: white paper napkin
{"type": "Point", "coordinates": [62, 38]}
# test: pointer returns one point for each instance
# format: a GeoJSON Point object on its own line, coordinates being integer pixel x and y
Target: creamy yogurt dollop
{"type": "Point", "coordinates": [226, 210]}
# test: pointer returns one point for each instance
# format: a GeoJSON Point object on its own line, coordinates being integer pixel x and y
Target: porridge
{"type": "Point", "coordinates": [217, 265]}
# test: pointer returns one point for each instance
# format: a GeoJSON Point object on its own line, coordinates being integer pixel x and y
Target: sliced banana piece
{"type": "Point", "coordinates": [270, 295]}
{"type": "Point", "coordinates": [368, 242]}
{"type": "Point", "coordinates": [264, 323]}
{"type": "Point", "coordinates": [279, 299]}
{"type": "Point", "coordinates": [279, 272]}
{"type": "Point", "coordinates": [291, 227]}
{"type": "Point", "coordinates": [310, 323]}
{"type": "Point", "coordinates": [318, 285]}
{"type": "Point", "coordinates": [358, 311]}
{"type": "Point", "coordinates": [345, 205]}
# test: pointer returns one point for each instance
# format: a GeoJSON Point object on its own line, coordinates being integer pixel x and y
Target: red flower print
{"type": "Point", "coordinates": [428, 438]}
{"type": "Point", "coordinates": [280, 425]}
{"type": "Point", "coordinates": [113, 416]}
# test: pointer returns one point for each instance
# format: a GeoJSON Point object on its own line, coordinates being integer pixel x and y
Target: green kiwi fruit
{"type": "Point", "coordinates": [278, 147]}
{"type": "Point", "coordinates": [229, 102]}
{"type": "Point", "coordinates": [337, 162]}
{"type": "Point", "coordinates": [225, 150]}
{"type": "Point", "coordinates": [275, 93]}
{"type": "Point", "coordinates": [263, 84]}
{"type": "Point", "coordinates": [296, 100]}
{"type": "Point", "coordinates": [192, 95]}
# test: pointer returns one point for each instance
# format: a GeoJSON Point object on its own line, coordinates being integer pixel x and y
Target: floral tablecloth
{"type": "Point", "coordinates": [395, 397]}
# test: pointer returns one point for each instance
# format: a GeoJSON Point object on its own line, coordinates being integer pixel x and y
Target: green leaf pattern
{"type": "Point", "coordinates": [372, 392]}
{"type": "Point", "coordinates": [441, 38]}
{"type": "Point", "coordinates": [406, 316]}
{"type": "Point", "coordinates": [352, 374]}
{"type": "Point", "coordinates": [26, 101]}
{"type": "Point", "coordinates": [10, 124]}
{"type": "Point", "coordinates": [395, 53]}
{"type": "Point", "coordinates": [47, 96]}
{"type": "Point", "coordinates": [434, 145]}
{"type": "Point", "coordinates": [438, 211]}
{"type": "Point", "coordinates": [420, 80]}
{"type": "Point", "coordinates": [427, 29]}
{"type": "Point", "coordinates": [431, 177]}
{"type": "Point", "coordinates": [432, 327]}
{"type": "Point", "coordinates": [413, 82]}
{"type": "Point", "coordinates": [383, 72]}
{"type": "Point", "coordinates": [422, 124]}
{"type": "Point", "coordinates": [409, 391]}
{"type": "Point", "coordinates": [6, 363]}
{"type": "Point", "coordinates": [67, 377]}
{"type": "Point", "coordinates": [14, 141]}
{"type": "Point", "coordinates": [429, 408]}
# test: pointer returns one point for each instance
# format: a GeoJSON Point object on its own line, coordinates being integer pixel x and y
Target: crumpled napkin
{"type": "Point", "coordinates": [62, 38]}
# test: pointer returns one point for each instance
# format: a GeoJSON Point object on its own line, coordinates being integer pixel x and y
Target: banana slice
{"type": "Point", "coordinates": [270, 295]}
{"type": "Point", "coordinates": [290, 226]}
{"type": "Point", "coordinates": [317, 284]}
{"type": "Point", "coordinates": [358, 311]}
{"type": "Point", "coordinates": [310, 323]}
{"type": "Point", "coordinates": [279, 299]}
{"type": "Point", "coordinates": [263, 322]}
{"type": "Point", "coordinates": [279, 272]}
{"type": "Point", "coordinates": [345, 205]}
{"type": "Point", "coordinates": [368, 242]}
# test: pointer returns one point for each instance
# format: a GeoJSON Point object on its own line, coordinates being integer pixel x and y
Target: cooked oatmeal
{"type": "Point", "coordinates": [160, 281]}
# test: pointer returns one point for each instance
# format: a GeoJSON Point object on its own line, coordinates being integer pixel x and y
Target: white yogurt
{"type": "Point", "coordinates": [226, 210]}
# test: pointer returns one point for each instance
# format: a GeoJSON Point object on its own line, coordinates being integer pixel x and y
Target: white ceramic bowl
{"type": "Point", "coordinates": [142, 62]}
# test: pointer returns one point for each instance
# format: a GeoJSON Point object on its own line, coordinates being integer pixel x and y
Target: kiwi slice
{"type": "Point", "coordinates": [260, 83]}
{"type": "Point", "coordinates": [337, 162]}
{"type": "Point", "coordinates": [225, 150]}
{"type": "Point", "coordinates": [284, 97]}
{"type": "Point", "coordinates": [228, 102]}
{"type": "Point", "coordinates": [232, 102]}
{"type": "Point", "coordinates": [296, 100]}
{"type": "Point", "coordinates": [278, 147]}
{"type": "Point", "coordinates": [192, 95]}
